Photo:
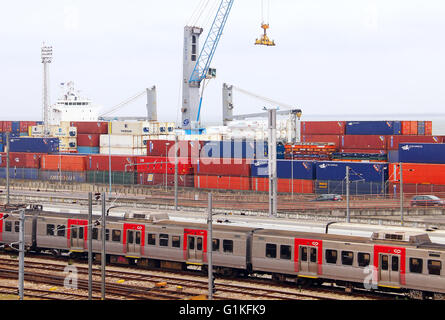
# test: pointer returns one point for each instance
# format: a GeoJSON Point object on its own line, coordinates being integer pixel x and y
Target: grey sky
{"type": "Point", "coordinates": [343, 56]}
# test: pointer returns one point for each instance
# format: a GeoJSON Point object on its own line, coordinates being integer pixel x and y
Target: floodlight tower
{"type": "Point", "coordinates": [47, 57]}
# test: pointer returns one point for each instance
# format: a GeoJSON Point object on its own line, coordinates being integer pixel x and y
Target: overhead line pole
{"type": "Point", "coordinates": [103, 254]}
{"type": "Point", "coordinates": [90, 246]}
{"type": "Point", "coordinates": [21, 253]}
{"type": "Point", "coordinates": [7, 168]}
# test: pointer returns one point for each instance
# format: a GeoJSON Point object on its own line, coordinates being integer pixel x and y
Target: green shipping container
{"type": "Point", "coordinates": [117, 177]}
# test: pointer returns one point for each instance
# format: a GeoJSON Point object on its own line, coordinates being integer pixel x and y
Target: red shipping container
{"type": "Point", "coordinates": [21, 160]}
{"type": "Point", "coordinates": [163, 165]}
{"type": "Point", "coordinates": [418, 188]}
{"type": "Point", "coordinates": [88, 140]}
{"type": "Point", "coordinates": [158, 179]}
{"type": "Point", "coordinates": [363, 142]}
{"type": "Point", "coordinates": [63, 162]}
{"type": "Point", "coordinates": [409, 127]}
{"type": "Point", "coordinates": [223, 167]}
{"type": "Point", "coordinates": [97, 162]}
{"type": "Point", "coordinates": [96, 127]}
{"type": "Point", "coordinates": [7, 126]}
{"type": "Point", "coordinates": [428, 128]}
{"type": "Point", "coordinates": [222, 182]}
{"type": "Point", "coordinates": [284, 185]}
{"type": "Point", "coordinates": [392, 142]}
{"type": "Point", "coordinates": [323, 127]}
{"type": "Point", "coordinates": [322, 138]}
{"type": "Point", "coordinates": [24, 125]}
{"type": "Point", "coordinates": [418, 173]}
{"type": "Point", "coordinates": [162, 148]}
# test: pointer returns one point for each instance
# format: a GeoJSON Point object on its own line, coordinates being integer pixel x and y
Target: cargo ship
{"type": "Point", "coordinates": [142, 153]}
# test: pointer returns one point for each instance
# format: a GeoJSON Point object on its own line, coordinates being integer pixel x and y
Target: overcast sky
{"type": "Point", "coordinates": [332, 56]}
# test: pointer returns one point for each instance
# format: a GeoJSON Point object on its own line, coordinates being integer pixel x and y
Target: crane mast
{"type": "Point", "coordinates": [196, 68]}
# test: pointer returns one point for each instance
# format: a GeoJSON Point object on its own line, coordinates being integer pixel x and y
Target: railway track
{"type": "Point", "coordinates": [138, 284]}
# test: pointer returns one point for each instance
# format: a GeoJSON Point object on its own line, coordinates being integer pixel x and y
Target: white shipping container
{"type": "Point", "coordinates": [67, 143]}
{"type": "Point", "coordinates": [131, 128]}
{"type": "Point", "coordinates": [123, 151]}
{"type": "Point", "coordinates": [121, 141]}
{"type": "Point", "coordinates": [65, 132]}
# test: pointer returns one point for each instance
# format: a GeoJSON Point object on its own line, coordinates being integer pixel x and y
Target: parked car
{"type": "Point", "coordinates": [426, 201]}
{"type": "Point", "coordinates": [328, 197]}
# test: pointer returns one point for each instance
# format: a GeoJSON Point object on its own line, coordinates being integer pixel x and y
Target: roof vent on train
{"type": "Point", "coordinates": [153, 217]}
{"type": "Point", "coordinates": [411, 237]}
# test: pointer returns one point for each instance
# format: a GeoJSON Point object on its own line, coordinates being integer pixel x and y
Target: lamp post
{"type": "Point", "coordinates": [166, 165]}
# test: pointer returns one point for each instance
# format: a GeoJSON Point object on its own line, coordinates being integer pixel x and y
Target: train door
{"type": "Point", "coordinates": [77, 237]}
{"type": "Point", "coordinates": [308, 259]}
{"type": "Point", "coordinates": [389, 270]}
{"type": "Point", "coordinates": [133, 242]}
{"type": "Point", "coordinates": [391, 265]}
{"type": "Point", "coordinates": [195, 246]}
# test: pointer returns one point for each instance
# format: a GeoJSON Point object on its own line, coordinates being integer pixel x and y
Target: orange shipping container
{"type": "Point", "coordinates": [418, 173]}
{"type": "Point", "coordinates": [63, 162]}
{"type": "Point", "coordinates": [409, 127]}
{"type": "Point", "coordinates": [428, 128]}
{"type": "Point", "coordinates": [222, 182]}
{"type": "Point", "coordinates": [284, 185]}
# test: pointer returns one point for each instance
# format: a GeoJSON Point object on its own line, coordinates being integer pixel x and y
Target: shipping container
{"type": "Point", "coordinates": [363, 142]}
{"type": "Point", "coordinates": [409, 127]}
{"type": "Point", "coordinates": [34, 145]}
{"type": "Point", "coordinates": [87, 127]}
{"type": "Point", "coordinates": [24, 125]}
{"type": "Point", "coordinates": [422, 152]}
{"type": "Point", "coordinates": [373, 155]}
{"type": "Point", "coordinates": [428, 128]}
{"type": "Point", "coordinates": [418, 173]}
{"type": "Point", "coordinates": [20, 173]}
{"type": "Point", "coordinates": [123, 151]}
{"type": "Point", "coordinates": [131, 128]}
{"type": "Point", "coordinates": [222, 182]}
{"type": "Point", "coordinates": [88, 150]}
{"type": "Point", "coordinates": [355, 187]}
{"type": "Point", "coordinates": [63, 176]}
{"type": "Point", "coordinates": [284, 185]}
{"type": "Point", "coordinates": [394, 141]}
{"type": "Point", "coordinates": [88, 140]}
{"type": "Point", "coordinates": [336, 139]}
{"type": "Point", "coordinates": [158, 179]}
{"type": "Point", "coordinates": [369, 172]}
{"type": "Point", "coordinates": [121, 141]}
{"type": "Point", "coordinates": [286, 169]}
{"type": "Point", "coordinates": [2, 147]}
{"type": "Point", "coordinates": [15, 126]}
{"type": "Point", "coordinates": [393, 156]}
{"type": "Point", "coordinates": [162, 148]}
{"type": "Point", "coordinates": [7, 126]}
{"type": "Point", "coordinates": [412, 189]}
{"type": "Point", "coordinates": [322, 127]}
{"type": "Point", "coordinates": [223, 167]}
{"type": "Point", "coordinates": [21, 160]}
{"type": "Point", "coordinates": [163, 165]}
{"type": "Point", "coordinates": [373, 128]}
{"type": "Point", "coordinates": [118, 163]}
{"type": "Point", "coordinates": [63, 162]}
{"type": "Point", "coordinates": [246, 149]}
{"type": "Point", "coordinates": [117, 177]}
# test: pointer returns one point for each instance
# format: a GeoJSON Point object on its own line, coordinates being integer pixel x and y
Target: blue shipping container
{"type": "Point", "coordinates": [393, 156]}
{"type": "Point", "coordinates": [88, 150]}
{"type": "Point", "coordinates": [63, 176]}
{"type": "Point", "coordinates": [373, 127]}
{"type": "Point", "coordinates": [286, 169]}
{"type": "Point", "coordinates": [34, 145]}
{"type": "Point", "coordinates": [422, 152]}
{"type": "Point", "coordinates": [1, 147]}
{"type": "Point", "coordinates": [368, 171]}
{"type": "Point", "coordinates": [15, 126]}
{"type": "Point", "coordinates": [20, 173]}
{"type": "Point", "coordinates": [355, 187]}
{"type": "Point", "coordinates": [238, 149]}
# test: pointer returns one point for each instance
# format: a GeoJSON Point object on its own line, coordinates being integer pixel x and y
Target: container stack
{"type": "Point", "coordinates": [88, 136]}
{"type": "Point", "coordinates": [67, 135]}
{"type": "Point", "coordinates": [123, 169]}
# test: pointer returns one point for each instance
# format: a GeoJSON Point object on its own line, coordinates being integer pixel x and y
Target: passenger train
{"type": "Point", "coordinates": [400, 261]}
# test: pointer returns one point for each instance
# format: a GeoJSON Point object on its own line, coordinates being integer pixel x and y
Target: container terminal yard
{"type": "Point", "coordinates": [266, 206]}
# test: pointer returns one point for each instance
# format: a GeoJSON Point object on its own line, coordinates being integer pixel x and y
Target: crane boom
{"type": "Point", "coordinates": [208, 50]}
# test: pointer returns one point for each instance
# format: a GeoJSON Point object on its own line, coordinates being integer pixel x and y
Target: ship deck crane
{"type": "Point", "coordinates": [151, 107]}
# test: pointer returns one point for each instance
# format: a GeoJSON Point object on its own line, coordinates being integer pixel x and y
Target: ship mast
{"type": "Point", "coordinates": [47, 56]}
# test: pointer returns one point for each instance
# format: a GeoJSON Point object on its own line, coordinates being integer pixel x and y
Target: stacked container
{"type": "Point", "coordinates": [123, 169]}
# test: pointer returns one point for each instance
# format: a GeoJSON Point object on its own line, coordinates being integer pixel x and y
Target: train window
{"type": "Point", "coordinates": [151, 239]}
{"type": "Point", "coordinates": [271, 250]}
{"type": "Point", "coordinates": [163, 240]}
{"type": "Point", "coordinates": [347, 258]}
{"type": "Point", "coordinates": [228, 246]}
{"type": "Point", "coordinates": [49, 229]}
{"type": "Point", "coordinates": [215, 246]}
{"type": "Point", "coordinates": [95, 233]}
{"type": "Point", "coordinates": [192, 243]}
{"type": "Point", "coordinates": [199, 244]}
{"type": "Point", "coordinates": [107, 234]}
{"type": "Point", "coordinates": [384, 262]}
{"type": "Point", "coordinates": [331, 256]}
{"type": "Point", "coordinates": [304, 254]}
{"type": "Point", "coordinates": [116, 235]}
{"type": "Point", "coordinates": [363, 259]}
{"type": "Point", "coordinates": [434, 267]}
{"type": "Point", "coordinates": [80, 232]}
{"type": "Point", "coordinates": [138, 237]}
{"type": "Point", "coordinates": [176, 241]}
{"type": "Point", "coordinates": [313, 256]}
{"type": "Point", "coordinates": [16, 226]}
{"type": "Point", "coordinates": [60, 230]}
{"type": "Point", "coordinates": [285, 252]}
{"type": "Point", "coordinates": [395, 263]}
{"type": "Point", "coordinates": [8, 226]}
{"type": "Point", "coordinates": [73, 233]}
{"type": "Point", "coordinates": [415, 265]}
